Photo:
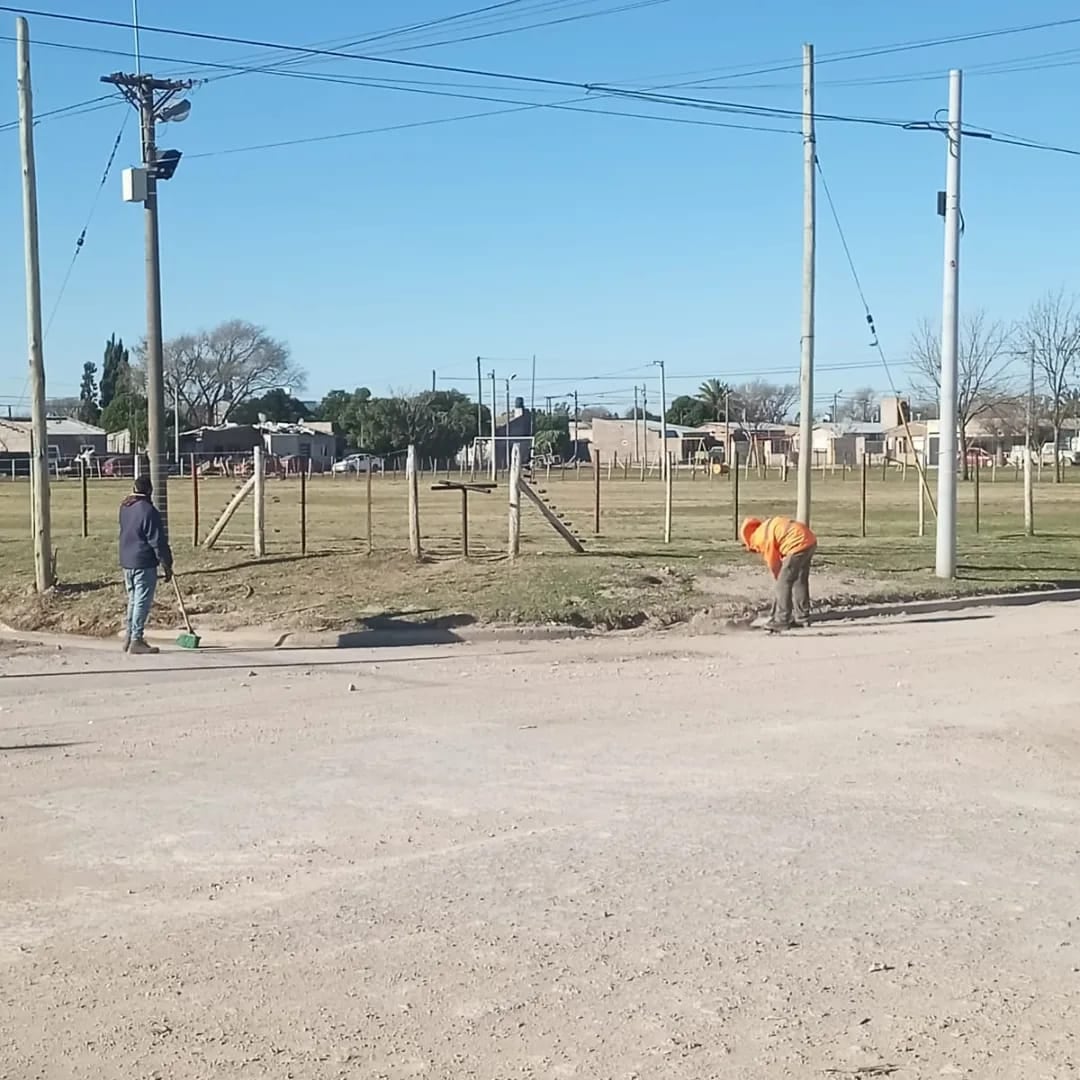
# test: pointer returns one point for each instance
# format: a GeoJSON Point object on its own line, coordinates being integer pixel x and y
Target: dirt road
{"type": "Point", "coordinates": [740, 857]}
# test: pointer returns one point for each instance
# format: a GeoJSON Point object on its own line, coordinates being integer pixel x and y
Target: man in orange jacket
{"type": "Point", "coordinates": [788, 549]}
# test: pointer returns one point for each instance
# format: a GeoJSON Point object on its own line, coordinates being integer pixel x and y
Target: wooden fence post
{"type": "Point", "coordinates": [465, 522]}
{"type": "Point", "coordinates": [733, 472]}
{"type": "Point", "coordinates": [514, 544]}
{"type": "Point", "coordinates": [667, 501]}
{"type": "Point", "coordinates": [370, 532]}
{"type": "Point", "coordinates": [260, 503]}
{"type": "Point", "coordinates": [194, 502]}
{"type": "Point", "coordinates": [414, 503]}
{"type": "Point", "coordinates": [596, 492]}
{"type": "Point", "coordinates": [85, 499]}
{"type": "Point", "coordinates": [862, 499]}
{"type": "Point", "coordinates": [976, 476]}
{"type": "Point", "coordinates": [303, 511]}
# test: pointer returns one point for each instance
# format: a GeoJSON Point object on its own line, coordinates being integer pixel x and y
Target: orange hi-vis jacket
{"type": "Point", "coordinates": [775, 538]}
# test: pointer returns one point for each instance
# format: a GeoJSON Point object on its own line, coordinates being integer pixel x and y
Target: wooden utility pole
{"type": "Point", "coordinates": [39, 443]}
{"type": "Point", "coordinates": [150, 97]}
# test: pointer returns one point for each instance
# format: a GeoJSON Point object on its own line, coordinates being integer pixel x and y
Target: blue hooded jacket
{"type": "Point", "coordinates": [142, 539]}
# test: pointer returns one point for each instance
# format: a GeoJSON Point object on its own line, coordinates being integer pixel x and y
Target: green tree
{"type": "Point", "coordinates": [276, 405]}
{"type": "Point", "coordinates": [115, 371]}
{"type": "Point", "coordinates": [89, 410]}
{"type": "Point", "coordinates": [552, 431]}
{"type": "Point", "coordinates": [688, 411]}
{"type": "Point", "coordinates": [126, 411]}
{"type": "Point", "coordinates": [345, 410]}
{"type": "Point", "coordinates": [713, 394]}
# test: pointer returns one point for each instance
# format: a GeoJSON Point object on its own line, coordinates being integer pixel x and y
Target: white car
{"type": "Point", "coordinates": [358, 463]}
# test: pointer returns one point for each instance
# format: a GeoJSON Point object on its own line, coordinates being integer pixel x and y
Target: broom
{"type": "Point", "coordinates": [188, 640]}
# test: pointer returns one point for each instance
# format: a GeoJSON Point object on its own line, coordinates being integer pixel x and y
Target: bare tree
{"type": "Point", "coordinates": [219, 369]}
{"type": "Point", "coordinates": [1049, 338]}
{"type": "Point", "coordinates": [984, 357]}
{"type": "Point", "coordinates": [860, 406]}
{"type": "Point", "coordinates": [761, 402]}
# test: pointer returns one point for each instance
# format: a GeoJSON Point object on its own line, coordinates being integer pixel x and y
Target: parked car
{"type": "Point", "coordinates": [358, 463]}
{"type": "Point", "coordinates": [977, 457]}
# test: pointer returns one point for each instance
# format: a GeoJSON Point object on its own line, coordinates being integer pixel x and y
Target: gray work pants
{"type": "Point", "coordinates": [792, 603]}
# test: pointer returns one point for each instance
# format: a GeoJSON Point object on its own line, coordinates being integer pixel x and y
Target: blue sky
{"type": "Point", "coordinates": [597, 243]}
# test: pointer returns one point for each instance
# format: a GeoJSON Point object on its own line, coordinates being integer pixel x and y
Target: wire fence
{"type": "Point", "coordinates": [611, 509]}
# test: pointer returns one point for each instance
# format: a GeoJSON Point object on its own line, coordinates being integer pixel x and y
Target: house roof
{"type": "Point", "coordinates": [269, 427]}
{"type": "Point", "coordinates": [850, 427]}
{"type": "Point", "coordinates": [15, 434]}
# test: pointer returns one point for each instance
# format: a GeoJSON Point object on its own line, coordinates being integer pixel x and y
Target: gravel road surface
{"type": "Point", "coordinates": [847, 853]}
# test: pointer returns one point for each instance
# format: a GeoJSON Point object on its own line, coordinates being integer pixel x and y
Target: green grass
{"type": "Point", "coordinates": [626, 576]}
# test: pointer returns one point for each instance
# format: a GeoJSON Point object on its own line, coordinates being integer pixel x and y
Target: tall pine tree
{"type": "Point", "coordinates": [89, 410]}
{"type": "Point", "coordinates": [115, 371]}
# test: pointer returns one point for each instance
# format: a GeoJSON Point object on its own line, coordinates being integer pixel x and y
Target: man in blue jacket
{"type": "Point", "coordinates": [143, 548]}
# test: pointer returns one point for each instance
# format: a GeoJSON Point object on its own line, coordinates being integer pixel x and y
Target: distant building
{"type": "Point", "coordinates": [314, 441]}
{"type": "Point", "coordinates": [67, 439]}
{"type": "Point", "coordinates": [636, 440]}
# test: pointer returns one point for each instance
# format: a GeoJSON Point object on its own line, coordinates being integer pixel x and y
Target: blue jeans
{"type": "Point", "coordinates": [139, 586]}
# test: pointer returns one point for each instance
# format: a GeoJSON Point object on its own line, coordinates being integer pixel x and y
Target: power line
{"type": "Point", "coordinates": [89, 218]}
{"type": "Point", "coordinates": [590, 88]}
{"type": "Point", "coordinates": [64, 110]}
{"type": "Point", "coordinates": [899, 47]}
{"type": "Point", "coordinates": [407, 31]}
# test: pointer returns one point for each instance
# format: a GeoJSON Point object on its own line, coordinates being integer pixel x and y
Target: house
{"type": "Point", "coordinates": [67, 439]}
{"type": "Point", "coordinates": [220, 440]}
{"type": "Point", "coordinates": [514, 430]}
{"type": "Point", "coordinates": [764, 444]}
{"type": "Point", "coordinates": [316, 443]}
{"type": "Point", "coordinates": [847, 443]}
{"type": "Point", "coordinates": [636, 440]}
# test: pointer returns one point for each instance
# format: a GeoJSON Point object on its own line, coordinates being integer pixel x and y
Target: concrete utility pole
{"type": "Point", "coordinates": [575, 424]}
{"type": "Point", "coordinates": [39, 446]}
{"type": "Point", "coordinates": [806, 372]}
{"type": "Point", "coordinates": [151, 97]}
{"type": "Point", "coordinates": [1029, 497]}
{"type": "Point", "coordinates": [665, 465]}
{"type": "Point", "coordinates": [950, 312]}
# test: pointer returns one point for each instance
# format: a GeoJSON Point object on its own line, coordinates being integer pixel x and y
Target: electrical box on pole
{"type": "Point", "coordinates": [134, 185]}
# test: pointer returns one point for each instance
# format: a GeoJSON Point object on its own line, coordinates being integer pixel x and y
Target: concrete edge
{"type": "Point", "coordinates": [433, 635]}
{"type": "Point", "coordinates": [947, 604]}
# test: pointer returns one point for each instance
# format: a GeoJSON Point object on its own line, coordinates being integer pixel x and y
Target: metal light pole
{"type": "Point", "coordinates": [946, 518]}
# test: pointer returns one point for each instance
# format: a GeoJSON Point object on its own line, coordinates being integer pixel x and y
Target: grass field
{"type": "Point", "coordinates": [628, 575]}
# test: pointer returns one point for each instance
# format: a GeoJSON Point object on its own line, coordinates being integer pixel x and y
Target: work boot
{"type": "Point", "coordinates": [127, 642]}
{"type": "Point", "coordinates": [138, 647]}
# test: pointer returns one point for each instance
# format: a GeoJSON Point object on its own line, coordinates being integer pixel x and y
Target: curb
{"type": "Point", "coordinates": [947, 604]}
{"type": "Point", "coordinates": [239, 640]}
{"type": "Point", "coordinates": [421, 636]}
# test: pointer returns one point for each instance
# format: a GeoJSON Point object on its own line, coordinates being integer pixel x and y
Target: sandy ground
{"type": "Point", "coordinates": [841, 853]}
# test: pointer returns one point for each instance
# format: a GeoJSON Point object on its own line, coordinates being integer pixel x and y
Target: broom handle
{"type": "Point", "coordinates": [180, 601]}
